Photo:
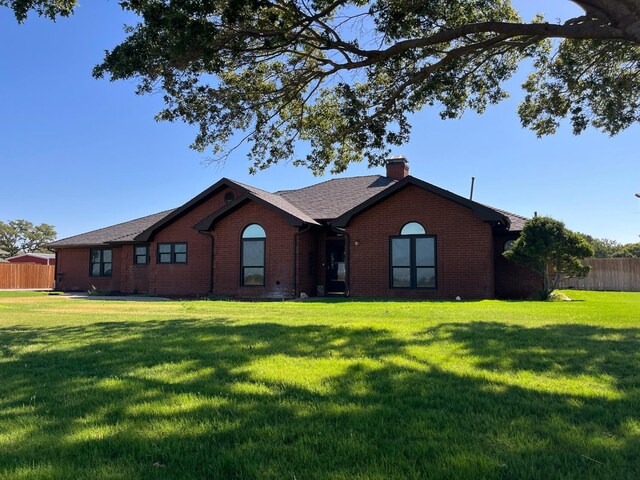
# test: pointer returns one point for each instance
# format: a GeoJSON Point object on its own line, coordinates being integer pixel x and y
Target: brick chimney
{"type": "Point", "coordinates": [397, 167]}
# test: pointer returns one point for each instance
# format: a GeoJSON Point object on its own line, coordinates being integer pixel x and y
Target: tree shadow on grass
{"type": "Point", "coordinates": [566, 348]}
{"type": "Point", "coordinates": [198, 399]}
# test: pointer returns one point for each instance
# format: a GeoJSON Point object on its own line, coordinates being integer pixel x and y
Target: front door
{"type": "Point", "coordinates": [336, 267]}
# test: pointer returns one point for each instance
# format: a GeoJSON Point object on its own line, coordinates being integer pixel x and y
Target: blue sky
{"type": "Point", "coordinates": [81, 153]}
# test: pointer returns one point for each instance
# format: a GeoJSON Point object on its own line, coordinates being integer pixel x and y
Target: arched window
{"type": "Point", "coordinates": [413, 228]}
{"type": "Point", "coordinates": [253, 252]}
{"type": "Point", "coordinates": [413, 258]}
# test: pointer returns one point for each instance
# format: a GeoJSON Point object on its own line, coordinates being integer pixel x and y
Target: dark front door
{"type": "Point", "coordinates": [336, 267]}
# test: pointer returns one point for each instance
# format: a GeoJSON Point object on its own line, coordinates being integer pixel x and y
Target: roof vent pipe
{"type": "Point", "coordinates": [397, 167]}
{"type": "Point", "coordinates": [473, 180]}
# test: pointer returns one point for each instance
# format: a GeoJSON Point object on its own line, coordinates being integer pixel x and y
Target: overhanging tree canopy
{"type": "Point", "coordinates": [342, 75]}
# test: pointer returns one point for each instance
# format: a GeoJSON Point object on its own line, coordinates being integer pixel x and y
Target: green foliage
{"type": "Point", "coordinates": [21, 236]}
{"type": "Point", "coordinates": [602, 247]}
{"type": "Point", "coordinates": [550, 249]}
{"type": "Point", "coordinates": [98, 292]}
{"type": "Point", "coordinates": [45, 8]}
{"type": "Point", "coordinates": [342, 78]}
{"type": "Point", "coordinates": [321, 389]}
{"type": "Point", "coordinates": [606, 248]}
{"type": "Point", "coordinates": [631, 250]}
{"type": "Point", "coordinates": [591, 82]}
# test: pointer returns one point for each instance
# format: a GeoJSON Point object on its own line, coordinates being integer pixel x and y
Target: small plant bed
{"type": "Point", "coordinates": [340, 389]}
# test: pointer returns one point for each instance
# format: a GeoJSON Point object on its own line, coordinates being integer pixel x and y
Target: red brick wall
{"type": "Point", "coordinates": [192, 278]}
{"type": "Point", "coordinates": [135, 278]}
{"type": "Point", "coordinates": [278, 259]}
{"type": "Point", "coordinates": [512, 280]}
{"type": "Point", "coordinates": [307, 252]}
{"type": "Point", "coordinates": [464, 246]}
{"type": "Point", "coordinates": [73, 270]}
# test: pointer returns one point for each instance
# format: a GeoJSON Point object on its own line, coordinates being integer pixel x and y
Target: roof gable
{"type": "Point", "coordinates": [485, 213]}
{"type": "Point", "coordinates": [148, 233]}
{"type": "Point", "coordinates": [293, 215]}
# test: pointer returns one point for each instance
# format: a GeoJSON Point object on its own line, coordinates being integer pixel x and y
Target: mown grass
{"type": "Point", "coordinates": [321, 389]}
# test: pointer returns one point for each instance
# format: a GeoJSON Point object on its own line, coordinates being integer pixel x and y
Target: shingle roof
{"type": "Point", "coordinates": [323, 201]}
{"type": "Point", "coordinates": [330, 199]}
{"type": "Point", "coordinates": [517, 221]}
{"type": "Point", "coordinates": [122, 232]}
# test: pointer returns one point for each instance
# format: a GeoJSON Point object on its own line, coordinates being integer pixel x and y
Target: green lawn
{"type": "Point", "coordinates": [321, 389]}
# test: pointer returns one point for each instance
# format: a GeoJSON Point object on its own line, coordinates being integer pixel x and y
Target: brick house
{"type": "Point", "coordinates": [369, 236]}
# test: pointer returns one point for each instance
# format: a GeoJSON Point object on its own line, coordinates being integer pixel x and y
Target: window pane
{"type": "Point", "coordinates": [254, 231]}
{"type": "Point", "coordinates": [401, 277]}
{"type": "Point", "coordinates": [400, 252]}
{"type": "Point", "coordinates": [95, 255]}
{"type": "Point", "coordinates": [141, 259]}
{"type": "Point", "coordinates": [95, 269]}
{"type": "Point", "coordinates": [165, 258]}
{"type": "Point", "coordinates": [426, 277]}
{"type": "Point", "coordinates": [180, 247]}
{"type": "Point", "coordinates": [425, 252]}
{"type": "Point", "coordinates": [413, 228]}
{"type": "Point", "coordinates": [164, 248]}
{"type": "Point", "coordinates": [141, 250]}
{"type": "Point", "coordinates": [341, 275]}
{"type": "Point", "coordinates": [107, 269]}
{"type": "Point", "coordinates": [253, 276]}
{"type": "Point", "coordinates": [106, 255]}
{"type": "Point", "coordinates": [181, 258]}
{"type": "Point", "coordinates": [253, 253]}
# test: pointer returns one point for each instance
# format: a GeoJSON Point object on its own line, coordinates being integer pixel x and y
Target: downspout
{"type": "Point", "coordinates": [347, 254]}
{"type": "Point", "coordinates": [295, 258]}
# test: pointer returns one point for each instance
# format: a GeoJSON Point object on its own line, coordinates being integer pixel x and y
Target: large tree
{"type": "Point", "coordinates": [21, 236]}
{"type": "Point", "coordinates": [550, 249]}
{"type": "Point", "coordinates": [342, 76]}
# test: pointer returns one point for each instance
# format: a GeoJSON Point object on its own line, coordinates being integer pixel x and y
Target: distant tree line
{"type": "Point", "coordinates": [22, 236]}
{"type": "Point", "coordinates": [607, 248]}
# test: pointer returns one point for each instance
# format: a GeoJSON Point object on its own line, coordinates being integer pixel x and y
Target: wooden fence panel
{"type": "Point", "coordinates": [26, 275]}
{"type": "Point", "coordinates": [619, 274]}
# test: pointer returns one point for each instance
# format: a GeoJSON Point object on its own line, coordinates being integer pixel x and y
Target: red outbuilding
{"type": "Point", "coordinates": [39, 258]}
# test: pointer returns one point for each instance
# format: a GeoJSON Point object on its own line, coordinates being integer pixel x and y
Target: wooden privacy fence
{"type": "Point", "coordinates": [621, 274]}
{"type": "Point", "coordinates": [26, 275]}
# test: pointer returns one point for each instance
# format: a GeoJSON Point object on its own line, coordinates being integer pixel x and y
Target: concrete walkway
{"type": "Point", "coordinates": [127, 298]}
{"type": "Point", "coordinates": [26, 289]}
